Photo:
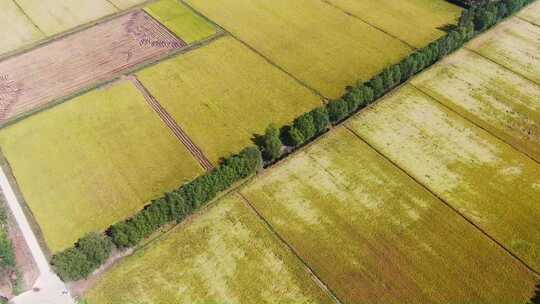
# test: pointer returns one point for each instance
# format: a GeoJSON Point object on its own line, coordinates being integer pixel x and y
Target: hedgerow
{"type": "Point", "coordinates": [92, 250]}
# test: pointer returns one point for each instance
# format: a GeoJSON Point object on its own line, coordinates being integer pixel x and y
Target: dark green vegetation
{"type": "Point", "coordinates": [7, 258]}
{"type": "Point", "coordinates": [8, 267]}
{"type": "Point", "coordinates": [74, 263]}
{"type": "Point", "coordinates": [80, 261]}
{"type": "Point", "coordinates": [92, 250]}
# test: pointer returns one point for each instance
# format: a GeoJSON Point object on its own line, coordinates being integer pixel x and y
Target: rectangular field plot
{"type": "Point", "coordinates": [531, 13]}
{"type": "Point", "coordinates": [492, 184]}
{"type": "Point", "coordinates": [514, 44]}
{"type": "Point", "coordinates": [373, 235]}
{"type": "Point", "coordinates": [314, 41]}
{"type": "Point", "coordinates": [79, 60]}
{"type": "Point", "coordinates": [497, 99]}
{"type": "Point", "coordinates": [181, 20]}
{"type": "Point", "coordinates": [92, 161]}
{"type": "Point", "coordinates": [53, 16]}
{"type": "Point", "coordinates": [417, 22]}
{"type": "Point", "coordinates": [125, 4]}
{"type": "Point", "coordinates": [21, 30]}
{"type": "Point", "coordinates": [224, 256]}
{"type": "Point", "coordinates": [223, 93]}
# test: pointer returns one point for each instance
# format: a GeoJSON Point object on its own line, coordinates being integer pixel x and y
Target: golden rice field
{"type": "Point", "coordinates": [502, 102]}
{"type": "Point", "coordinates": [314, 41]}
{"type": "Point", "coordinates": [53, 16]}
{"type": "Point", "coordinates": [222, 94]}
{"type": "Point", "coordinates": [28, 21]}
{"type": "Point", "coordinates": [417, 22]}
{"type": "Point", "coordinates": [21, 32]}
{"type": "Point", "coordinates": [373, 235]}
{"type": "Point", "coordinates": [180, 20]}
{"type": "Point", "coordinates": [531, 13]}
{"type": "Point", "coordinates": [488, 181]}
{"type": "Point", "coordinates": [94, 160]}
{"type": "Point", "coordinates": [125, 4]}
{"type": "Point", "coordinates": [514, 44]}
{"type": "Point", "coordinates": [222, 256]}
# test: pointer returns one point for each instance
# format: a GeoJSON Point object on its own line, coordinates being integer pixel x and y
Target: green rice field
{"type": "Point", "coordinates": [180, 20]}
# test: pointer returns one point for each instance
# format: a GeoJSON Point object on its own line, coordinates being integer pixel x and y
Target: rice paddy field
{"type": "Point", "coordinates": [181, 20]}
{"type": "Point", "coordinates": [30, 21]}
{"type": "Point", "coordinates": [502, 102]}
{"type": "Point", "coordinates": [125, 4]}
{"type": "Point", "coordinates": [102, 151]}
{"type": "Point", "coordinates": [373, 235]}
{"type": "Point", "coordinates": [22, 31]}
{"type": "Point", "coordinates": [88, 57]}
{"type": "Point", "coordinates": [486, 180]}
{"type": "Point", "coordinates": [223, 256]}
{"type": "Point", "coordinates": [307, 39]}
{"type": "Point", "coordinates": [401, 19]}
{"type": "Point", "coordinates": [53, 17]}
{"type": "Point", "coordinates": [531, 13]}
{"type": "Point", "coordinates": [223, 93]}
{"type": "Point", "coordinates": [514, 44]}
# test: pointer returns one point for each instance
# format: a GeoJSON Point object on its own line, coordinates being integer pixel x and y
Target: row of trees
{"type": "Point", "coordinates": [489, 13]}
{"type": "Point", "coordinates": [80, 261]}
{"type": "Point", "coordinates": [473, 21]}
{"type": "Point", "coordinates": [94, 249]}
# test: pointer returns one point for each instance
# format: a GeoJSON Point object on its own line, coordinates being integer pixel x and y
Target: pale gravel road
{"type": "Point", "coordinates": [51, 288]}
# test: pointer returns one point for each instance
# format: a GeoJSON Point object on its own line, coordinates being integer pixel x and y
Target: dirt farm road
{"type": "Point", "coordinates": [49, 289]}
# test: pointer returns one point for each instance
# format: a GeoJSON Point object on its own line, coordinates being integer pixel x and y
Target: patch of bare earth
{"type": "Point", "coordinates": [65, 66]}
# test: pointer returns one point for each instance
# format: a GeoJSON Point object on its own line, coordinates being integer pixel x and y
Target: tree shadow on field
{"type": "Point", "coordinates": [536, 298]}
{"type": "Point", "coordinates": [447, 28]}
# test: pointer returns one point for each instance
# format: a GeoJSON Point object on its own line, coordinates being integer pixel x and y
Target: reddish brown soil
{"type": "Point", "coordinates": [64, 66]}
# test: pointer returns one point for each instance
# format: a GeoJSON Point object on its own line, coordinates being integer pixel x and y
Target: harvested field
{"type": "Point", "coordinates": [491, 96]}
{"type": "Point", "coordinates": [181, 20]}
{"type": "Point", "coordinates": [514, 44]}
{"type": "Point", "coordinates": [373, 235]}
{"type": "Point", "coordinates": [223, 93]}
{"type": "Point", "coordinates": [489, 182]}
{"type": "Point", "coordinates": [53, 16]}
{"type": "Point", "coordinates": [531, 13]}
{"type": "Point", "coordinates": [21, 30]}
{"type": "Point", "coordinates": [94, 160]}
{"type": "Point", "coordinates": [96, 54]}
{"type": "Point", "coordinates": [417, 22]}
{"type": "Point", "coordinates": [224, 256]}
{"type": "Point", "coordinates": [317, 43]}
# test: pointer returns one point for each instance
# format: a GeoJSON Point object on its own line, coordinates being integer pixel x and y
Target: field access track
{"type": "Point", "coordinates": [35, 78]}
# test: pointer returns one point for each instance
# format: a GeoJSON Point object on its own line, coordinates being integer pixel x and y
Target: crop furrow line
{"type": "Point", "coordinates": [172, 125]}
